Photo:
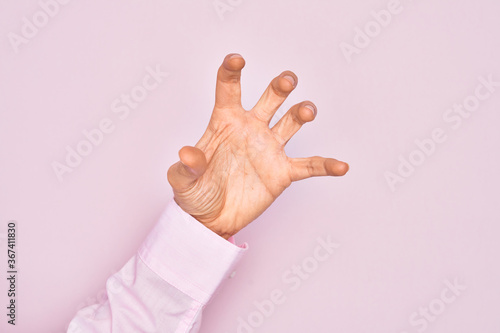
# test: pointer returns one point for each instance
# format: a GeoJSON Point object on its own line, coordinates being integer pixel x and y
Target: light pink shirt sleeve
{"type": "Point", "coordinates": [166, 285]}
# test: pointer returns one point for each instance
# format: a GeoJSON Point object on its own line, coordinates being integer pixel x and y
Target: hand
{"type": "Point", "coordinates": [239, 166]}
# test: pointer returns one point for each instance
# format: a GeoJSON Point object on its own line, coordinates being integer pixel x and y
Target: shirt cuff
{"type": "Point", "coordinates": [188, 255]}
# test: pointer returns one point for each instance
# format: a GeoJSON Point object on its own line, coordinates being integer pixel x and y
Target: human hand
{"type": "Point", "coordinates": [239, 166]}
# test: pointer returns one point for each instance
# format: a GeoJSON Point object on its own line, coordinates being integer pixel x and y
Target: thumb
{"type": "Point", "coordinates": [192, 165]}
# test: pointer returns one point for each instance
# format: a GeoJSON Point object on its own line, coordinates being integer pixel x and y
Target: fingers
{"type": "Point", "coordinates": [192, 165]}
{"type": "Point", "coordinates": [275, 94]}
{"type": "Point", "coordinates": [302, 168]}
{"type": "Point", "coordinates": [228, 88]}
{"type": "Point", "coordinates": [293, 120]}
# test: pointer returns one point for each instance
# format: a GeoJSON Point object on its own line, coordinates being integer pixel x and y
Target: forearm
{"type": "Point", "coordinates": [165, 286]}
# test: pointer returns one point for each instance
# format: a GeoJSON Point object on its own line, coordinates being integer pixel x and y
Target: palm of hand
{"type": "Point", "coordinates": [239, 166]}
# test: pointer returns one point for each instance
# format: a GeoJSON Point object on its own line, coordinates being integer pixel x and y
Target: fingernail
{"type": "Point", "coordinates": [290, 79]}
{"type": "Point", "coordinates": [312, 108]}
{"type": "Point", "coordinates": [188, 168]}
{"type": "Point", "coordinates": [235, 55]}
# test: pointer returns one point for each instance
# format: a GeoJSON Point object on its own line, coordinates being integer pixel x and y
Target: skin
{"type": "Point", "coordinates": [239, 166]}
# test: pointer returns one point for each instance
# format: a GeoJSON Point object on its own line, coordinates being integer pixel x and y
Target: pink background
{"type": "Point", "coordinates": [397, 248]}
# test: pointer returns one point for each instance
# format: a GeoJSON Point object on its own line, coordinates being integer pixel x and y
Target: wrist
{"type": "Point", "coordinates": [216, 228]}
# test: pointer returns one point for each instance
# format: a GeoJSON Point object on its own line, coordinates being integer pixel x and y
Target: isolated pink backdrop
{"type": "Point", "coordinates": [397, 247]}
